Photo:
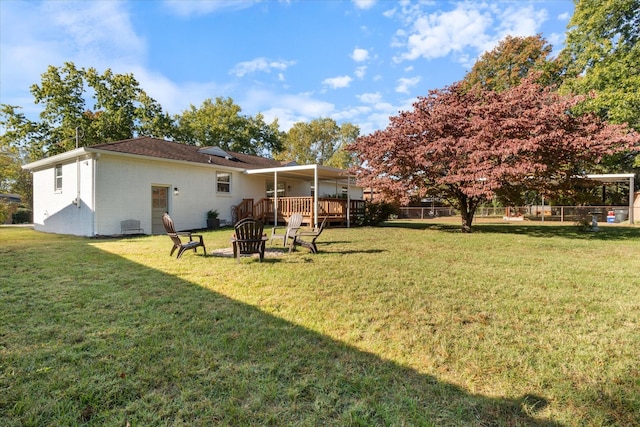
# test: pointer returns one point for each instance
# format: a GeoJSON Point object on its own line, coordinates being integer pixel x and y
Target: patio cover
{"type": "Point", "coordinates": [316, 173]}
{"type": "Point", "coordinates": [610, 178]}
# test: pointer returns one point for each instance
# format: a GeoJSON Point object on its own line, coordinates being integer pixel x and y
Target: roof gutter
{"type": "Point", "coordinates": [58, 158]}
{"type": "Point", "coordinates": [79, 152]}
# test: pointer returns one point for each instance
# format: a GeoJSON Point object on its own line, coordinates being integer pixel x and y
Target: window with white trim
{"type": "Point", "coordinates": [223, 182]}
{"type": "Point", "coordinates": [281, 189]}
{"type": "Point", "coordinates": [57, 186]}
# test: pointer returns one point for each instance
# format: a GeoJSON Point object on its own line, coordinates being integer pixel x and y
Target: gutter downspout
{"type": "Point", "coordinates": [94, 173]}
{"type": "Point", "coordinates": [78, 194]}
{"type": "Point", "coordinates": [77, 200]}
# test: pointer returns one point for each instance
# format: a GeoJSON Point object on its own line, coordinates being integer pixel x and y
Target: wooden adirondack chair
{"type": "Point", "coordinates": [249, 238]}
{"type": "Point", "coordinates": [177, 242]}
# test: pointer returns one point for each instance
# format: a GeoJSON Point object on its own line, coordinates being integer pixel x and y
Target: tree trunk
{"type": "Point", "coordinates": [468, 207]}
{"type": "Point", "coordinates": [466, 223]}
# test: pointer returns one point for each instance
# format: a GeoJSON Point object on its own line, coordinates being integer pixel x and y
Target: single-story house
{"type": "Point", "coordinates": [90, 191]}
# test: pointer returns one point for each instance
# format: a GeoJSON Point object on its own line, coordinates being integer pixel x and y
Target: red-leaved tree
{"type": "Point", "coordinates": [467, 146]}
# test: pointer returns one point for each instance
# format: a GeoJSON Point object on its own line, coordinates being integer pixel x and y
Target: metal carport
{"type": "Point", "coordinates": [611, 178]}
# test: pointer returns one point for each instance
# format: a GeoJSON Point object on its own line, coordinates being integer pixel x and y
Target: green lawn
{"type": "Point", "coordinates": [413, 323]}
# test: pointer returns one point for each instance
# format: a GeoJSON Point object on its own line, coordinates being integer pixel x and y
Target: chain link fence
{"type": "Point", "coordinates": [611, 214]}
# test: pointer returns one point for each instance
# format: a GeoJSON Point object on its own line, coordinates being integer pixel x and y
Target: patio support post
{"type": "Point", "coordinates": [315, 196]}
{"type": "Point", "coordinates": [348, 201]}
{"type": "Point", "coordinates": [631, 198]}
{"type": "Point", "coordinates": [275, 199]}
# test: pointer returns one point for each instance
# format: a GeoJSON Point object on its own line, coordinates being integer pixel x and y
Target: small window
{"type": "Point", "coordinates": [58, 178]}
{"type": "Point", "coordinates": [159, 197]}
{"type": "Point", "coordinates": [281, 189]}
{"type": "Point", "coordinates": [223, 182]}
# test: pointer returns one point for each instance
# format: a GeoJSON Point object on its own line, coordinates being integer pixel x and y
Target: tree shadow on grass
{"type": "Point", "coordinates": [568, 231]}
{"type": "Point", "coordinates": [118, 346]}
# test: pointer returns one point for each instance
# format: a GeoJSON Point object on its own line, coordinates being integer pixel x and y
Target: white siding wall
{"type": "Point", "coordinates": [124, 192]}
{"type": "Point", "coordinates": [54, 211]}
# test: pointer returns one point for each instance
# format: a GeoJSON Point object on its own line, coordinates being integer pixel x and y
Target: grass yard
{"type": "Point", "coordinates": [410, 324]}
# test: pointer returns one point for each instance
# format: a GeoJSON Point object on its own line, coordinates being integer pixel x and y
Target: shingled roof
{"type": "Point", "coordinates": [163, 149]}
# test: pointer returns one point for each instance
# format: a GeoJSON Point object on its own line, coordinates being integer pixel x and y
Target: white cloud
{"type": "Point", "coordinates": [389, 13]}
{"type": "Point", "coordinates": [465, 31]}
{"type": "Point", "coordinates": [259, 64]}
{"type": "Point", "coordinates": [564, 16]}
{"type": "Point", "coordinates": [37, 35]}
{"type": "Point", "coordinates": [404, 84]}
{"type": "Point", "coordinates": [364, 4]}
{"type": "Point", "coordinates": [360, 55]}
{"type": "Point", "coordinates": [186, 8]}
{"type": "Point", "coordinates": [437, 35]}
{"type": "Point", "coordinates": [94, 31]}
{"type": "Point", "coordinates": [287, 108]}
{"type": "Point", "coordinates": [360, 72]}
{"type": "Point", "coordinates": [519, 22]}
{"type": "Point", "coordinates": [370, 98]}
{"type": "Point", "coordinates": [338, 82]}
{"type": "Point", "coordinates": [177, 97]}
{"type": "Point", "coordinates": [350, 113]}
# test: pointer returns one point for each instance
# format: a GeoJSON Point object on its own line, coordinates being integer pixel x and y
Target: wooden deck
{"type": "Point", "coordinates": [335, 210]}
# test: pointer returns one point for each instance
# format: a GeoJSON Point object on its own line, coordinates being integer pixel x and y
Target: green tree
{"type": "Point", "coordinates": [121, 110]}
{"type": "Point", "coordinates": [61, 92]}
{"type": "Point", "coordinates": [602, 55]}
{"type": "Point", "coordinates": [511, 61]}
{"type": "Point", "coordinates": [9, 167]}
{"type": "Point", "coordinates": [13, 179]}
{"type": "Point", "coordinates": [343, 158]}
{"type": "Point", "coordinates": [320, 141]}
{"type": "Point", "coordinates": [221, 124]}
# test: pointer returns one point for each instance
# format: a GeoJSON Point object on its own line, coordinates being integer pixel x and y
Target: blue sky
{"type": "Point", "coordinates": [357, 61]}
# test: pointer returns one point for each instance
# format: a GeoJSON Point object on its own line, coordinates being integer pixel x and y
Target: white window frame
{"type": "Point", "coordinates": [57, 178]}
{"type": "Point", "coordinates": [282, 189]}
{"type": "Point", "coordinates": [222, 183]}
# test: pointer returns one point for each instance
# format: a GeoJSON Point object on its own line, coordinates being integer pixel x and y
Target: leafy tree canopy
{"type": "Point", "coordinates": [468, 146]}
{"type": "Point", "coordinates": [13, 179]}
{"type": "Point", "coordinates": [220, 124]}
{"type": "Point", "coordinates": [9, 168]}
{"type": "Point", "coordinates": [121, 110]}
{"type": "Point", "coordinates": [320, 141]}
{"type": "Point", "coordinates": [511, 61]}
{"type": "Point", "coordinates": [602, 54]}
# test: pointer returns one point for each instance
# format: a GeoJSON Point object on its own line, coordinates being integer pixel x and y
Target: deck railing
{"type": "Point", "coordinates": [335, 210]}
{"type": "Point", "coordinates": [243, 210]}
